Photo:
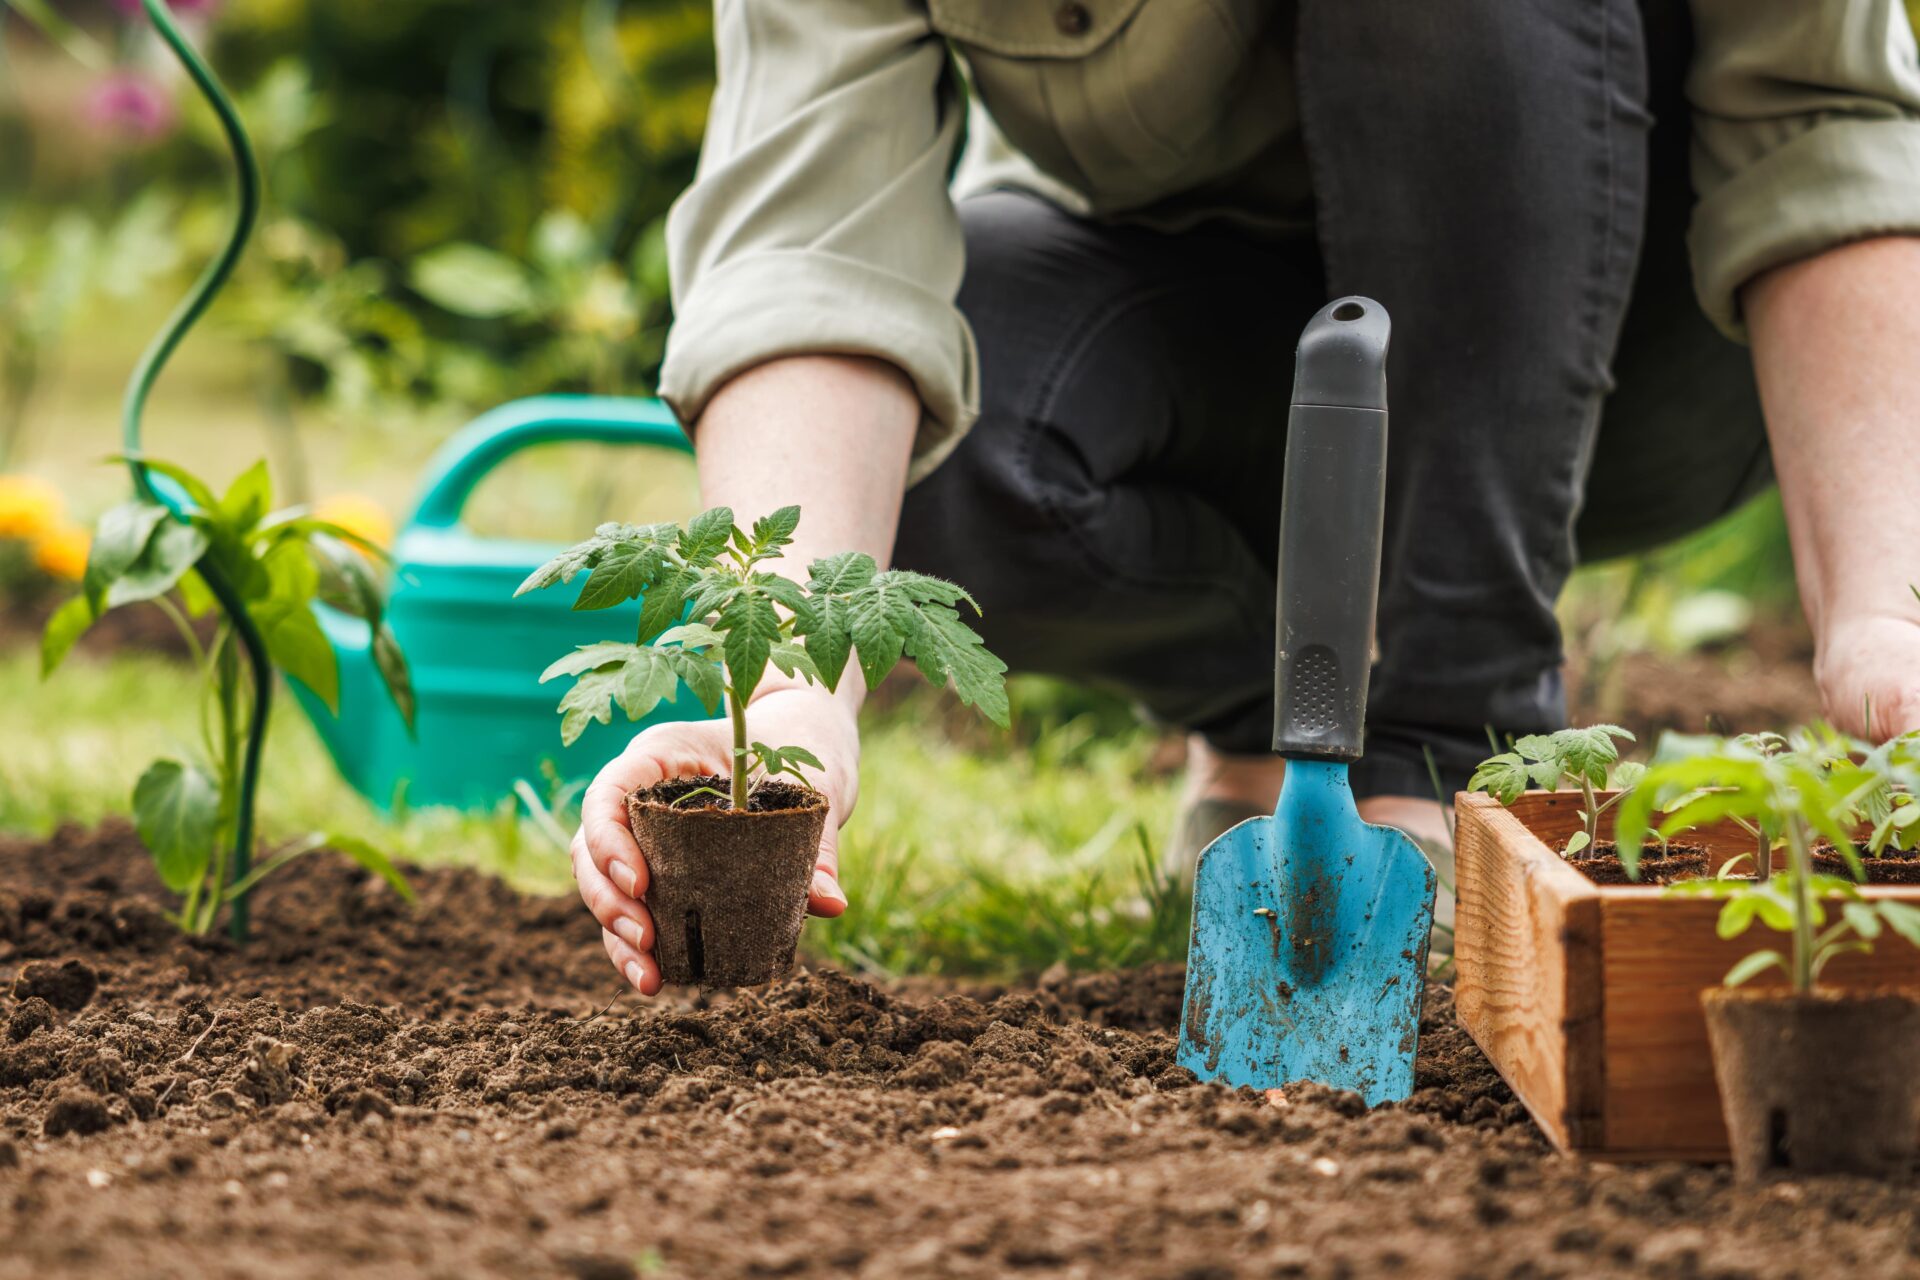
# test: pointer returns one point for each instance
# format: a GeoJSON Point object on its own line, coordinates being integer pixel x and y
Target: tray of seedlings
{"type": "Point", "coordinates": [1606, 951]}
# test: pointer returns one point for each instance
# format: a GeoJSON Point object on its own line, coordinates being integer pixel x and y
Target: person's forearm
{"type": "Point", "coordinates": [1836, 349]}
{"type": "Point", "coordinates": [830, 433]}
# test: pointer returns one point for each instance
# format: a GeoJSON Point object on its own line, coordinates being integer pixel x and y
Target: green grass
{"type": "Point", "coordinates": [971, 853]}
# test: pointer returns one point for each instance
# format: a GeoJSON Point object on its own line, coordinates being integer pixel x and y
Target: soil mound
{"type": "Point", "coordinates": [443, 1092]}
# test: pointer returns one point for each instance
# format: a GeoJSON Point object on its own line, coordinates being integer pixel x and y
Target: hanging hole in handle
{"type": "Point", "coordinates": [1349, 311]}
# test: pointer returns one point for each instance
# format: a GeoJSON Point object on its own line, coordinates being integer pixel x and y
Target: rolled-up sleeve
{"type": "Point", "coordinates": [819, 220]}
{"type": "Point", "coordinates": [1806, 136]}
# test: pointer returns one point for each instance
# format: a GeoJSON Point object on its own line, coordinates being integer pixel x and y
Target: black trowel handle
{"type": "Point", "coordinates": [1330, 519]}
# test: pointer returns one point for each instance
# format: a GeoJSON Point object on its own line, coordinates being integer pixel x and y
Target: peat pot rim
{"type": "Point", "coordinates": [641, 798]}
{"type": "Point", "coordinates": [1821, 996]}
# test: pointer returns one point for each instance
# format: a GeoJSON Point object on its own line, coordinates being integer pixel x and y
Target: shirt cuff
{"type": "Point", "coordinates": [808, 302]}
{"type": "Point", "coordinates": [1838, 181]}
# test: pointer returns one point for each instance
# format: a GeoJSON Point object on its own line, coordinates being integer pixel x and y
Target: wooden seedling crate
{"type": "Point", "coordinates": [1587, 998]}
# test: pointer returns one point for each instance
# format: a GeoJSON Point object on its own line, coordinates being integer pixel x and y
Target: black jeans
{"type": "Point", "coordinates": [1492, 174]}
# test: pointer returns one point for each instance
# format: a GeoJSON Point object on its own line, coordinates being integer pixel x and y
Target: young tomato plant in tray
{"type": "Point", "coordinates": [1789, 792]}
{"type": "Point", "coordinates": [713, 617]}
{"type": "Point", "coordinates": [196, 815]}
{"type": "Point", "coordinates": [1589, 757]}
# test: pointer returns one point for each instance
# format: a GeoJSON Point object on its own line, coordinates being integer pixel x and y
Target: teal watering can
{"type": "Point", "coordinates": [483, 720]}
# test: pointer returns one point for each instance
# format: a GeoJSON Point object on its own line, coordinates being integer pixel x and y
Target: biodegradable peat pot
{"type": "Point", "coordinates": [1818, 1083]}
{"type": "Point", "coordinates": [727, 890]}
{"type": "Point", "coordinates": [1586, 997]}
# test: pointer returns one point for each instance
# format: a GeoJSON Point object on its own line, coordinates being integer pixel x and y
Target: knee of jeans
{"type": "Point", "coordinates": [999, 521]}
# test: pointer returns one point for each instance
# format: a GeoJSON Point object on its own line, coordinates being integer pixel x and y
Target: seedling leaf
{"type": "Point", "coordinates": [1754, 965]}
{"type": "Point", "coordinates": [176, 809]}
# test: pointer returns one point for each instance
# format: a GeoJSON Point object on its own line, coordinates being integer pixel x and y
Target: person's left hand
{"type": "Point", "coordinates": [1868, 668]}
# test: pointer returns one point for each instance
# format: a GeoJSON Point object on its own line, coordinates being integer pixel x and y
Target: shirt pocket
{"type": "Point", "coordinates": [1121, 98]}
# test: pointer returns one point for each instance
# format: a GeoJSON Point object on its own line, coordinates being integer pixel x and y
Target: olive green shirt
{"type": "Point", "coordinates": [822, 216]}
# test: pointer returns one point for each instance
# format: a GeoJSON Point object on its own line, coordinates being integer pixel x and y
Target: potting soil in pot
{"type": "Point", "coordinates": [374, 1090]}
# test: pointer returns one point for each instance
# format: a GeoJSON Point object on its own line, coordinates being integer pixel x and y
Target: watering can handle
{"type": "Point", "coordinates": [1331, 508]}
{"type": "Point", "coordinates": [496, 435]}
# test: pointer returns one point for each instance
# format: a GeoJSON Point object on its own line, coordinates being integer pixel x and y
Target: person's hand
{"type": "Point", "coordinates": [1870, 665]}
{"type": "Point", "coordinates": [607, 863]}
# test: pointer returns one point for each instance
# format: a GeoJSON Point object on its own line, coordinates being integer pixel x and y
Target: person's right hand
{"type": "Point", "coordinates": [607, 862]}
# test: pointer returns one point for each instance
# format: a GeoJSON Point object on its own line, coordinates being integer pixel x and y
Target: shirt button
{"type": "Point", "coordinates": [1072, 18]}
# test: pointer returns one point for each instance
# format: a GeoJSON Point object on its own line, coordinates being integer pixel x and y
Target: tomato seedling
{"type": "Point", "coordinates": [1590, 757]}
{"type": "Point", "coordinates": [197, 816]}
{"type": "Point", "coordinates": [1789, 791]}
{"type": "Point", "coordinates": [713, 618]}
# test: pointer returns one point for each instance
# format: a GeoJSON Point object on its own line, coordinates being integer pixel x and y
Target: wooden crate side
{"type": "Point", "coordinates": [1527, 954]}
{"type": "Point", "coordinates": [1661, 1101]}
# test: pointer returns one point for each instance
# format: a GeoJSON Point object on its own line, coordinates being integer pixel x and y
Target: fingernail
{"type": "Point", "coordinates": [635, 973]}
{"type": "Point", "coordinates": [825, 887]}
{"type": "Point", "coordinates": [623, 878]}
{"type": "Point", "coordinates": [629, 933]}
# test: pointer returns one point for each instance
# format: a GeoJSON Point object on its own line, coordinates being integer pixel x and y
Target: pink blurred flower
{"type": "Point", "coordinates": [130, 106]}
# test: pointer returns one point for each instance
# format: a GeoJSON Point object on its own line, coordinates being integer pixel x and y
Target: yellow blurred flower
{"type": "Point", "coordinates": [29, 507]}
{"type": "Point", "coordinates": [62, 552]}
{"type": "Point", "coordinates": [357, 513]}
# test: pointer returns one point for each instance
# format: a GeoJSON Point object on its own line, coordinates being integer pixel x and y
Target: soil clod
{"type": "Point", "coordinates": [68, 985]}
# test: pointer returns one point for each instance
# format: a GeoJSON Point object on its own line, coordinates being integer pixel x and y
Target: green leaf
{"type": "Point", "coordinates": [771, 532]}
{"type": "Point", "coordinates": [1737, 916]}
{"type": "Point", "coordinates": [787, 594]}
{"type": "Point", "coordinates": [791, 658]}
{"type": "Point", "coordinates": [562, 567]}
{"type": "Point", "coordinates": [622, 572]}
{"type": "Point", "coordinates": [176, 810]}
{"type": "Point", "coordinates": [68, 623]}
{"type": "Point", "coordinates": [842, 574]}
{"type": "Point", "coordinates": [374, 860]}
{"type": "Point", "coordinates": [1575, 843]}
{"type": "Point", "coordinates": [590, 700]}
{"type": "Point", "coordinates": [247, 500]}
{"type": "Point", "coordinates": [470, 280]}
{"type": "Point", "coordinates": [828, 639]}
{"type": "Point", "coordinates": [174, 548]}
{"type": "Point", "coordinates": [773, 760]}
{"type": "Point", "coordinates": [300, 648]}
{"type": "Point", "coordinates": [590, 657]}
{"type": "Point", "coordinates": [691, 635]}
{"type": "Point", "coordinates": [1902, 918]}
{"type": "Point", "coordinates": [1504, 777]}
{"type": "Point", "coordinates": [1862, 919]}
{"type": "Point", "coordinates": [1757, 963]}
{"type": "Point", "coordinates": [945, 648]}
{"type": "Point", "coordinates": [751, 624]}
{"type": "Point", "coordinates": [118, 539]}
{"type": "Point", "coordinates": [705, 536]}
{"type": "Point", "coordinates": [392, 666]}
{"type": "Point", "coordinates": [879, 621]}
{"type": "Point", "coordinates": [665, 601]}
{"type": "Point", "coordinates": [1627, 775]}
{"type": "Point", "coordinates": [649, 678]}
{"type": "Point", "coordinates": [701, 675]}
{"type": "Point", "coordinates": [346, 580]}
{"type": "Point", "coordinates": [193, 486]}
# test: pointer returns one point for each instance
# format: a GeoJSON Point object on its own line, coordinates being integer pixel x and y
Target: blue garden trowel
{"type": "Point", "coordinates": [1310, 928]}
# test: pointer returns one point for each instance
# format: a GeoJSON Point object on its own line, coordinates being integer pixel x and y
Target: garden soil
{"type": "Point", "coordinates": [373, 1089]}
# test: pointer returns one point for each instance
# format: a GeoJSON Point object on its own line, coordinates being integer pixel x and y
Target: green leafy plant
{"type": "Point", "coordinates": [1590, 757]}
{"type": "Point", "coordinates": [713, 618]}
{"type": "Point", "coordinates": [1789, 791]}
{"type": "Point", "coordinates": [196, 815]}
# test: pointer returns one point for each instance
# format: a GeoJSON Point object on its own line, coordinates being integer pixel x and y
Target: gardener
{"type": "Point", "coordinates": [1060, 373]}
